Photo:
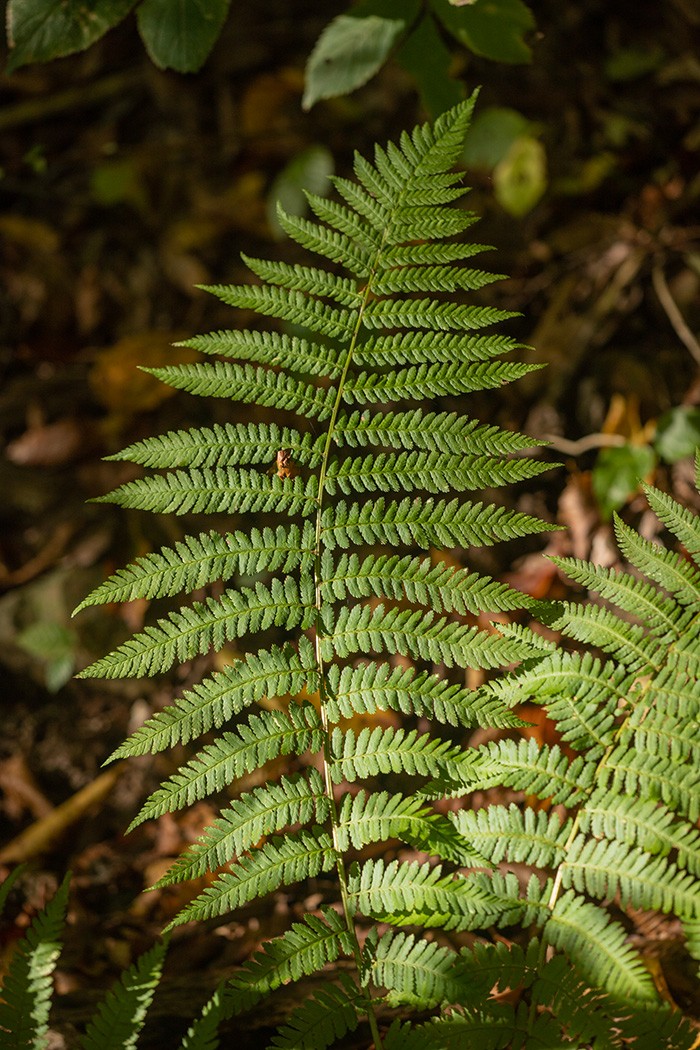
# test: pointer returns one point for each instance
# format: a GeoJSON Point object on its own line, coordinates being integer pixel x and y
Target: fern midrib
{"type": "Point", "coordinates": [318, 598]}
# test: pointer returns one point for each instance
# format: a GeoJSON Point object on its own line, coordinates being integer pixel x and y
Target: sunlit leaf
{"type": "Point", "coordinates": [347, 54]}
{"type": "Point", "coordinates": [520, 179]}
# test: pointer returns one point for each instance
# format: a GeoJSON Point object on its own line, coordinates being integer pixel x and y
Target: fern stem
{"type": "Point", "coordinates": [328, 781]}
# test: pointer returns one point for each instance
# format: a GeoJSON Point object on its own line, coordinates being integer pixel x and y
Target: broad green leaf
{"type": "Point", "coordinates": [492, 28]}
{"type": "Point", "coordinates": [617, 474]}
{"type": "Point", "coordinates": [425, 57]}
{"type": "Point", "coordinates": [347, 54]}
{"type": "Point", "coordinates": [520, 179]}
{"type": "Point", "coordinates": [179, 34]}
{"type": "Point", "coordinates": [39, 30]}
{"type": "Point", "coordinates": [677, 433]}
{"type": "Point", "coordinates": [491, 135]}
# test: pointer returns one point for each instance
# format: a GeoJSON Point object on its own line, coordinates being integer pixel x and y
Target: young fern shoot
{"type": "Point", "coordinates": [344, 490]}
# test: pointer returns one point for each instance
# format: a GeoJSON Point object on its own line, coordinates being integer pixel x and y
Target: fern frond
{"type": "Point", "coordinates": [642, 599]}
{"type": "Point", "coordinates": [435, 379]}
{"type": "Point", "coordinates": [330, 244]}
{"type": "Point", "coordinates": [430, 471]}
{"type": "Point", "coordinates": [292, 800]}
{"type": "Point", "coordinates": [328, 1015]}
{"type": "Point", "coordinates": [523, 836]}
{"type": "Point", "coordinates": [198, 560]}
{"type": "Point", "coordinates": [421, 635]}
{"type": "Point", "coordinates": [653, 776]}
{"type": "Point", "coordinates": [270, 673]}
{"type": "Point", "coordinates": [442, 587]}
{"type": "Point", "coordinates": [401, 349]}
{"type": "Point", "coordinates": [28, 983]}
{"type": "Point", "coordinates": [423, 523]}
{"type": "Point", "coordinates": [682, 522]}
{"type": "Point", "coordinates": [270, 348]}
{"type": "Point", "coordinates": [538, 770]}
{"type": "Point", "coordinates": [443, 431]}
{"type": "Point", "coordinates": [418, 972]}
{"type": "Point", "coordinates": [416, 894]}
{"type": "Point", "coordinates": [596, 626]}
{"type": "Point", "coordinates": [679, 578]}
{"type": "Point", "coordinates": [642, 822]}
{"type": "Point", "coordinates": [301, 950]}
{"type": "Point", "coordinates": [221, 446]}
{"type": "Point", "coordinates": [377, 686]}
{"type": "Point", "coordinates": [375, 751]}
{"type": "Point", "coordinates": [307, 279]}
{"type": "Point", "coordinates": [216, 490]}
{"type": "Point", "coordinates": [370, 818]}
{"type": "Point", "coordinates": [433, 279]}
{"type": "Point", "coordinates": [121, 1016]}
{"type": "Point", "coordinates": [294, 307]}
{"type": "Point", "coordinates": [196, 629]}
{"type": "Point", "coordinates": [597, 946]}
{"type": "Point", "coordinates": [267, 735]}
{"type": "Point", "coordinates": [246, 384]}
{"type": "Point", "coordinates": [605, 868]}
{"type": "Point", "coordinates": [278, 862]}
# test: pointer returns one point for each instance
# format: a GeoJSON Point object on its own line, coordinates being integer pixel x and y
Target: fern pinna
{"type": "Point", "coordinates": [340, 580]}
{"type": "Point", "coordinates": [624, 832]}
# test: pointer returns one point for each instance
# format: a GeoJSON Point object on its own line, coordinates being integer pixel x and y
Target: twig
{"type": "Point", "coordinates": [673, 313]}
{"type": "Point", "coordinates": [584, 444]}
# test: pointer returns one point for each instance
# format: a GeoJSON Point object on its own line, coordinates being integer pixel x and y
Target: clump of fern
{"type": "Point", "coordinates": [27, 988]}
{"type": "Point", "coordinates": [350, 489]}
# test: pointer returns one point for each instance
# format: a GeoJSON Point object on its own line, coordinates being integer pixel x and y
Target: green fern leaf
{"type": "Point", "coordinates": [444, 431]}
{"type": "Point", "coordinates": [244, 383]}
{"type": "Point", "coordinates": [194, 630]}
{"type": "Point", "coordinates": [266, 736]}
{"type": "Point", "coordinates": [605, 868]}
{"type": "Point", "coordinates": [121, 1016]}
{"type": "Point", "coordinates": [279, 862]}
{"type": "Point", "coordinates": [422, 523]}
{"type": "Point", "coordinates": [523, 836]}
{"type": "Point", "coordinates": [301, 950]}
{"type": "Point", "coordinates": [270, 348]}
{"type": "Point", "coordinates": [418, 972]}
{"type": "Point", "coordinates": [295, 799]}
{"type": "Point", "coordinates": [375, 687]}
{"type": "Point", "coordinates": [370, 818]}
{"type": "Point", "coordinates": [537, 770]}
{"type": "Point", "coordinates": [329, 1015]}
{"type": "Point", "coordinates": [271, 674]}
{"type": "Point", "coordinates": [197, 561]}
{"type": "Point", "coordinates": [28, 984]}
{"type": "Point", "coordinates": [597, 947]}
{"type": "Point", "coordinates": [216, 491]}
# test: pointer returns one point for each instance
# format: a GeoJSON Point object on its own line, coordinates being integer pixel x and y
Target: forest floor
{"type": "Point", "coordinates": [123, 188]}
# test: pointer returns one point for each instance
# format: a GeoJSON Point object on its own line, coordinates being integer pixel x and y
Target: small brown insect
{"type": "Point", "coordinates": [286, 468]}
